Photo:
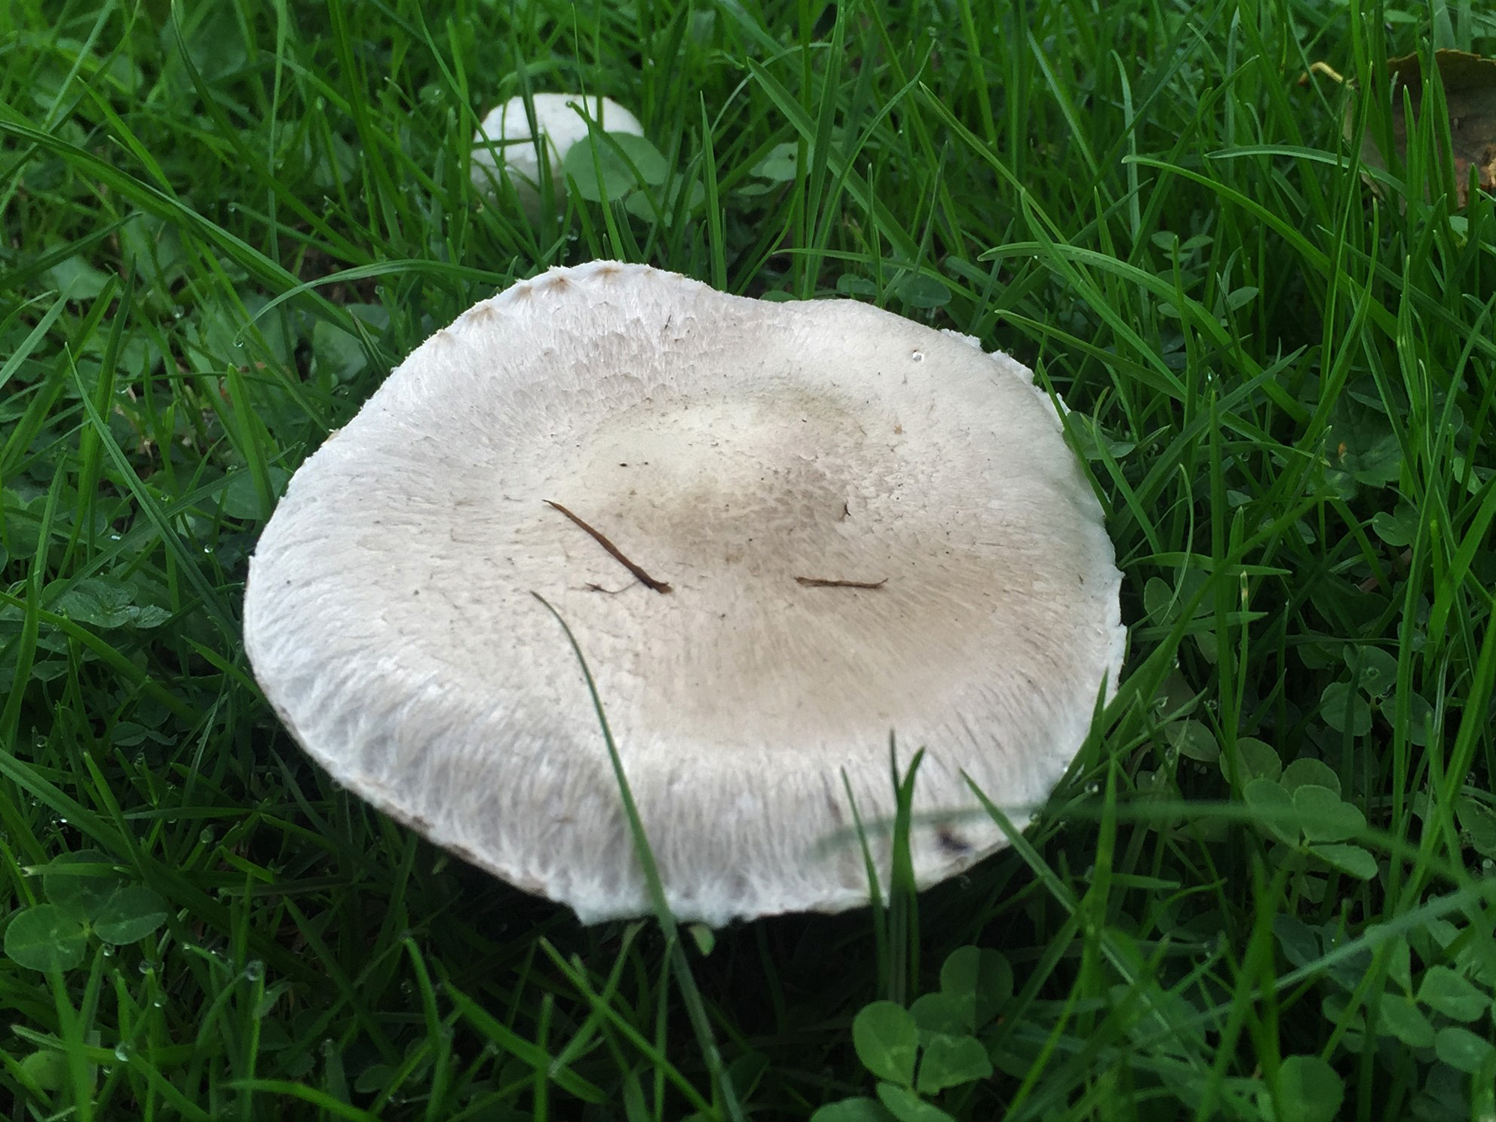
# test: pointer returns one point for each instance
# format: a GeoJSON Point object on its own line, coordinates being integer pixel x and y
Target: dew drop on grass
{"type": "Point", "coordinates": [206, 837]}
{"type": "Point", "coordinates": [254, 970]}
{"type": "Point", "coordinates": [122, 1052]}
{"type": "Point", "coordinates": [108, 950]}
{"type": "Point", "coordinates": [158, 1003]}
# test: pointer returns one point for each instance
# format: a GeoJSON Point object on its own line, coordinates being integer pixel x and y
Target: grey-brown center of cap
{"type": "Point", "coordinates": [730, 499]}
{"type": "Point", "coordinates": [736, 483]}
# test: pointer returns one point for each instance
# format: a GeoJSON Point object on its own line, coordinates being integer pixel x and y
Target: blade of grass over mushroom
{"type": "Point", "coordinates": [643, 852]}
{"type": "Point", "coordinates": [903, 903]}
{"type": "Point", "coordinates": [875, 888]}
{"type": "Point", "coordinates": [684, 978]}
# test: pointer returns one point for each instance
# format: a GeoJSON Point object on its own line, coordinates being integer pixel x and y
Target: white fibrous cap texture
{"type": "Point", "coordinates": [868, 527]}
{"type": "Point", "coordinates": [504, 138]}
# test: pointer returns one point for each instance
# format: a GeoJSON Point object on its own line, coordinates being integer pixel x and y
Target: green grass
{"type": "Point", "coordinates": [1266, 890]}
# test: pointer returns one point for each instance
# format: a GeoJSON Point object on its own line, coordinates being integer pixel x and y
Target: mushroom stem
{"type": "Point", "coordinates": [598, 536]}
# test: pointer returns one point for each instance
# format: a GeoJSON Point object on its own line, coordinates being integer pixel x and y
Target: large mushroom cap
{"type": "Point", "coordinates": [733, 449]}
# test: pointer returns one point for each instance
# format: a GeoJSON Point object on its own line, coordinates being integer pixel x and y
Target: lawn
{"type": "Point", "coordinates": [1267, 887]}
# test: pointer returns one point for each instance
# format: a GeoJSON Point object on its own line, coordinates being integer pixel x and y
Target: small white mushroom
{"type": "Point", "coordinates": [779, 531]}
{"type": "Point", "coordinates": [504, 139]}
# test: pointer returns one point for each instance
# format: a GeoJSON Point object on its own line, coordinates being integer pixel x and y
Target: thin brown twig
{"type": "Point", "coordinates": [818, 582]}
{"type": "Point", "coordinates": [617, 554]}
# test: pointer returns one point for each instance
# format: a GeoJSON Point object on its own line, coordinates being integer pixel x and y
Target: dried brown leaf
{"type": "Point", "coordinates": [1470, 95]}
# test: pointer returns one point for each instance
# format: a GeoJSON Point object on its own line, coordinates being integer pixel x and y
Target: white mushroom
{"type": "Point", "coordinates": [504, 137]}
{"type": "Point", "coordinates": [865, 526]}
